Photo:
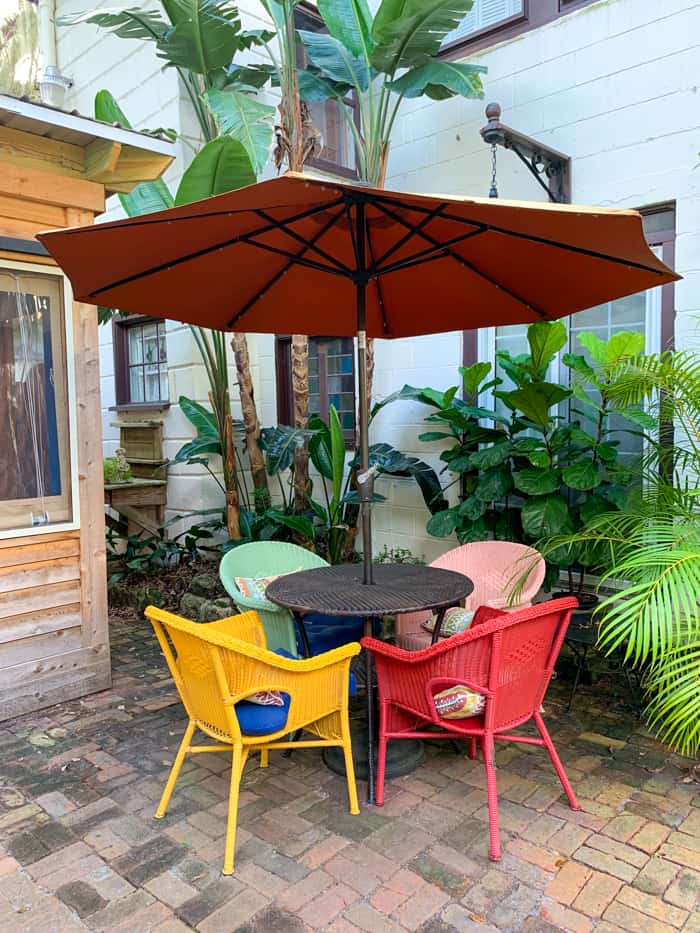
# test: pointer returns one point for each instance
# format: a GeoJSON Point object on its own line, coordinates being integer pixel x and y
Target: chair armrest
{"type": "Point", "coordinates": [260, 603]}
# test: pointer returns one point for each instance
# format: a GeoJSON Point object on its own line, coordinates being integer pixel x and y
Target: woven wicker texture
{"type": "Point", "coordinates": [267, 559]}
{"type": "Point", "coordinates": [217, 664]}
{"type": "Point", "coordinates": [339, 591]}
{"type": "Point", "coordinates": [496, 568]}
{"type": "Point", "coordinates": [508, 659]}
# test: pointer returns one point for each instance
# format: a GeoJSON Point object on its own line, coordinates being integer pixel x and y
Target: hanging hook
{"type": "Point", "coordinates": [493, 190]}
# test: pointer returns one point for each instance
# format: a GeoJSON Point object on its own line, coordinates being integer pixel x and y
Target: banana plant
{"type": "Point", "coordinates": [200, 40]}
{"type": "Point", "coordinates": [222, 165]}
{"type": "Point", "coordinates": [381, 60]}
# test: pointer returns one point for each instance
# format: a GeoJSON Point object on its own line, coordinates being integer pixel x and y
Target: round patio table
{"type": "Point", "coordinates": [339, 591]}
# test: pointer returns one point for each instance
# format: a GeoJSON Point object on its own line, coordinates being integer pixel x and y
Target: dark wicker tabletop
{"type": "Point", "coordinates": [339, 591]}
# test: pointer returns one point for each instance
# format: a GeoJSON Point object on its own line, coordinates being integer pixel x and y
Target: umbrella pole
{"type": "Point", "coordinates": [361, 291]}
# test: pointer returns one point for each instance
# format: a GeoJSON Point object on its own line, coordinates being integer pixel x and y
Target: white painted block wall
{"type": "Point", "coordinates": [614, 85]}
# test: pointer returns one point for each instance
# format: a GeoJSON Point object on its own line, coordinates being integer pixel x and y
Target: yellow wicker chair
{"type": "Point", "coordinates": [217, 664]}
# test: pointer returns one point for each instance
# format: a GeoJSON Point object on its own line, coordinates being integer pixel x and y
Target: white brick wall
{"type": "Point", "coordinates": [614, 85]}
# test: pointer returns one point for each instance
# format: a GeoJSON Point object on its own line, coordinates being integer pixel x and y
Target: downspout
{"type": "Point", "coordinates": [53, 85]}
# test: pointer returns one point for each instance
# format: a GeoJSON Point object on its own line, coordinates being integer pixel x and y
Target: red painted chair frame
{"type": "Point", "coordinates": [508, 658]}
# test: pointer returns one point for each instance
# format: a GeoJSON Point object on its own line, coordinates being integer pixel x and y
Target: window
{"type": "Point", "coordinates": [492, 21]}
{"type": "Point", "coordinates": [650, 313]}
{"type": "Point", "coordinates": [338, 153]}
{"type": "Point", "coordinates": [35, 472]}
{"type": "Point", "coordinates": [331, 381]}
{"type": "Point", "coordinates": [140, 362]}
{"type": "Point", "coordinates": [485, 15]}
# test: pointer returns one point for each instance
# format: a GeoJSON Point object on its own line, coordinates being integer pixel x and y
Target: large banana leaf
{"type": "Point", "coordinates": [350, 22]}
{"type": "Point", "coordinates": [337, 452]}
{"type": "Point", "coordinates": [222, 165]}
{"type": "Point", "coordinates": [314, 87]}
{"type": "Point", "coordinates": [408, 33]}
{"type": "Point", "coordinates": [246, 119]}
{"type": "Point", "coordinates": [280, 444]}
{"type": "Point", "coordinates": [440, 80]}
{"type": "Point", "coordinates": [204, 37]}
{"type": "Point", "coordinates": [127, 24]}
{"type": "Point", "coordinates": [395, 463]}
{"type": "Point", "coordinates": [335, 61]}
{"type": "Point", "coordinates": [149, 196]}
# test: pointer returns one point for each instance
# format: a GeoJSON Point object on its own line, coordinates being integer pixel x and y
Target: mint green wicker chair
{"type": "Point", "coordinates": [266, 559]}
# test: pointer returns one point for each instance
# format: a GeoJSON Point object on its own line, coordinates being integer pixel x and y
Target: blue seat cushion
{"type": "Point", "coordinates": [262, 720]}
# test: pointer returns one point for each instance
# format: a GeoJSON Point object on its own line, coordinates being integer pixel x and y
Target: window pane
{"type": "Point", "coordinates": [136, 384]}
{"type": "Point", "coordinates": [35, 484]}
{"type": "Point", "coordinates": [483, 15]}
{"type": "Point", "coordinates": [150, 343]}
{"type": "Point", "coordinates": [152, 380]}
{"type": "Point", "coordinates": [337, 136]}
{"type": "Point", "coordinates": [135, 348]}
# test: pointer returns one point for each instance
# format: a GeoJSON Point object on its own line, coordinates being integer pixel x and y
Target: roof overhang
{"type": "Point", "coordinates": [39, 136]}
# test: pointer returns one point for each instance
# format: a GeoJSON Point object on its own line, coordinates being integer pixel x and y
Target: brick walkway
{"type": "Point", "coordinates": [79, 849]}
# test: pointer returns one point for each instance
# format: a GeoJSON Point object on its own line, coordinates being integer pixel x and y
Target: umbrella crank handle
{"type": "Point", "coordinates": [365, 488]}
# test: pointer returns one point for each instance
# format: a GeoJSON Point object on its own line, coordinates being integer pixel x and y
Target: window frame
{"type": "Point", "coordinates": [535, 13]}
{"type": "Point", "coordinates": [73, 523]}
{"type": "Point", "coordinates": [314, 21]}
{"type": "Point", "coordinates": [285, 393]}
{"type": "Point", "coordinates": [665, 240]}
{"type": "Point", "coordinates": [120, 341]}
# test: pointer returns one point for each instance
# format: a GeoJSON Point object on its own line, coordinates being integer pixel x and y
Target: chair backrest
{"type": "Point", "coordinates": [504, 573]}
{"type": "Point", "coordinates": [265, 559]}
{"type": "Point", "coordinates": [524, 648]}
{"type": "Point", "coordinates": [194, 651]}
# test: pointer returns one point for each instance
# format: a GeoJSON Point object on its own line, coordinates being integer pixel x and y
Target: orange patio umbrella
{"type": "Point", "coordinates": [306, 255]}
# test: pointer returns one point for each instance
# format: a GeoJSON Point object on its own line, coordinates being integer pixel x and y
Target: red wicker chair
{"type": "Point", "coordinates": [506, 657]}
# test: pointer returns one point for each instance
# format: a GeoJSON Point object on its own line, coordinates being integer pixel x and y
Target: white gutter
{"type": "Point", "coordinates": [53, 85]}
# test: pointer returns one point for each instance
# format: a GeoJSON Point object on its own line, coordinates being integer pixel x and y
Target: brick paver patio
{"type": "Point", "coordinates": [80, 850]}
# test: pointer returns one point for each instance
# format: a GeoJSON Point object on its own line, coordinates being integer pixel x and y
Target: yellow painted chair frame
{"type": "Point", "coordinates": [217, 664]}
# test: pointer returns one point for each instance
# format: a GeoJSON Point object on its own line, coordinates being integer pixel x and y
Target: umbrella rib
{"type": "Point", "coordinates": [241, 238]}
{"type": "Point", "coordinates": [309, 244]}
{"type": "Point", "coordinates": [278, 275]}
{"type": "Point", "coordinates": [348, 201]}
{"type": "Point", "coordinates": [465, 262]}
{"type": "Point", "coordinates": [431, 252]}
{"type": "Point", "coordinates": [407, 236]}
{"type": "Point", "coordinates": [379, 200]}
{"type": "Point", "coordinates": [377, 282]}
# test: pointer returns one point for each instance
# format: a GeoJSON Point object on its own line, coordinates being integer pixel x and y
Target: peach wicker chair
{"type": "Point", "coordinates": [216, 666]}
{"type": "Point", "coordinates": [496, 568]}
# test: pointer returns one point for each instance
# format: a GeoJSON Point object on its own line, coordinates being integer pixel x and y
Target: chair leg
{"type": "Point", "coordinates": [381, 756]}
{"type": "Point", "coordinates": [487, 750]}
{"type": "Point", "coordinates": [264, 757]}
{"type": "Point", "coordinates": [350, 772]}
{"type": "Point", "coordinates": [237, 765]}
{"type": "Point", "coordinates": [472, 748]}
{"type": "Point", "coordinates": [558, 766]}
{"type": "Point", "coordinates": [175, 770]}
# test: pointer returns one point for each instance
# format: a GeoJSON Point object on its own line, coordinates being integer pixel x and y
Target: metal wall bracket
{"type": "Point", "coordinates": [550, 169]}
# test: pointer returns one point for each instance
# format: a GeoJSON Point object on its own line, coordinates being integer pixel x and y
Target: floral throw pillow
{"type": "Point", "coordinates": [266, 698]}
{"type": "Point", "coordinates": [459, 702]}
{"type": "Point", "coordinates": [456, 620]}
{"type": "Point", "coordinates": [253, 587]}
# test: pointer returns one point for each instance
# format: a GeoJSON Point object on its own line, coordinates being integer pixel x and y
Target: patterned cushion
{"type": "Point", "coordinates": [459, 702]}
{"type": "Point", "coordinates": [456, 620]}
{"type": "Point", "coordinates": [253, 587]}
{"type": "Point", "coordinates": [266, 698]}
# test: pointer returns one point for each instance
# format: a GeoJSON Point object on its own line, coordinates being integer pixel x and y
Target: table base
{"type": "Point", "coordinates": [401, 757]}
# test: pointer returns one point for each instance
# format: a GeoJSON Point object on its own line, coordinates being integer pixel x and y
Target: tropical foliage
{"type": "Point", "coordinates": [333, 514]}
{"type": "Point", "coordinates": [653, 545]}
{"type": "Point", "coordinates": [547, 461]}
{"type": "Point", "coordinates": [381, 60]}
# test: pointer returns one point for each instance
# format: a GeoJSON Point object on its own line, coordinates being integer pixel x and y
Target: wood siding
{"type": "Point", "coordinates": [54, 643]}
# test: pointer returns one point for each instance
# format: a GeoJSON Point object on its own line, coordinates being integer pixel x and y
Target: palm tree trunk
{"type": "Point", "coordinates": [233, 507]}
{"type": "Point", "coordinates": [300, 387]}
{"type": "Point", "coordinates": [250, 415]}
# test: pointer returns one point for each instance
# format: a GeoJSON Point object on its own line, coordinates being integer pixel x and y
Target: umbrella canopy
{"type": "Point", "coordinates": [312, 256]}
{"type": "Point", "coordinates": [285, 256]}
